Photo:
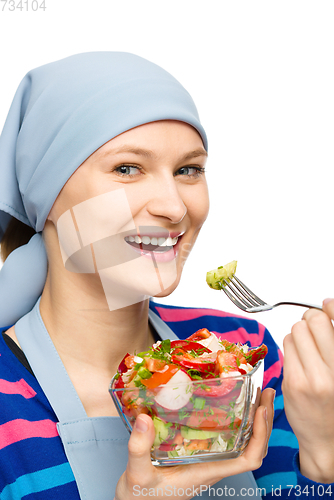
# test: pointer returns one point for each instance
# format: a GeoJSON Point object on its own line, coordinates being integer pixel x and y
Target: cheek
{"type": "Point", "coordinates": [73, 193]}
{"type": "Point", "coordinates": [80, 187]}
{"type": "Point", "coordinates": [198, 207]}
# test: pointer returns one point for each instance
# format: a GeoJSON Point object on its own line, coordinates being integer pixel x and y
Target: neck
{"type": "Point", "coordinates": [91, 339]}
{"type": "Point", "coordinates": [86, 332]}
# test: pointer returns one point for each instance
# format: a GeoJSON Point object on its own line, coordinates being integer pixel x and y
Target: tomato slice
{"type": "Point", "coordinates": [227, 362]}
{"type": "Point", "coordinates": [167, 446]}
{"type": "Point", "coordinates": [184, 359]}
{"type": "Point", "coordinates": [154, 365]}
{"type": "Point", "coordinates": [130, 396]}
{"type": "Point", "coordinates": [129, 361]}
{"type": "Point", "coordinates": [254, 355]}
{"type": "Point", "coordinates": [234, 349]}
{"type": "Point", "coordinates": [188, 345]}
{"type": "Point", "coordinates": [216, 388]}
{"type": "Point", "coordinates": [122, 367]}
{"type": "Point", "coordinates": [159, 378]}
{"type": "Point", "coordinates": [201, 334]}
{"type": "Point", "coordinates": [199, 444]}
{"type": "Point", "coordinates": [132, 411]}
{"type": "Point", "coordinates": [214, 419]}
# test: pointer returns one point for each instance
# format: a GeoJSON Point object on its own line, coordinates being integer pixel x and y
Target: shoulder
{"type": "Point", "coordinates": [184, 321]}
{"type": "Point", "coordinates": [19, 389]}
{"type": "Point", "coordinates": [24, 413]}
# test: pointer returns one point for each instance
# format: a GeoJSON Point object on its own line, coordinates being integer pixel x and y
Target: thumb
{"type": "Point", "coordinates": [139, 447]}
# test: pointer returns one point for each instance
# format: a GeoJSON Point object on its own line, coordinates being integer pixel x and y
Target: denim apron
{"type": "Point", "coordinates": [96, 448]}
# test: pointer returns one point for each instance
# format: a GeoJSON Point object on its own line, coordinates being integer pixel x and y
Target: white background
{"type": "Point", "coordinates": [262, 76]}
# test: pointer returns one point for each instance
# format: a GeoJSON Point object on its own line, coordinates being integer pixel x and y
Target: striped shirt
{"type": "Point", "coordinates": [33, 464]}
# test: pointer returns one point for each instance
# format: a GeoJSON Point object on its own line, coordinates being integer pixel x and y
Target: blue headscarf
{"type": "Point", "coordinates": [61, 113]}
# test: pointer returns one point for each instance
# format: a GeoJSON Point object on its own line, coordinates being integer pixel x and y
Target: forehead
{"type": "Point", "coordinates": [155, 138]}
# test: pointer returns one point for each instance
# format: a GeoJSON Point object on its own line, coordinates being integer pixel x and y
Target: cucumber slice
{"type": "Point", "coordinates": [189, 433]}
{"type": "Point", "coordinates": [144, 372]}
{"type": "Point", "coordinates": [215, 277]}
{"type": "Point", "coordinates": [161, 431]}
{"type": "Point", "coordinates": [199, 403]}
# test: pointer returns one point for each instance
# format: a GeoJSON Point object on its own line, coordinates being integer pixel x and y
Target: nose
{"type": "Point", "coordinates": [166, 201]}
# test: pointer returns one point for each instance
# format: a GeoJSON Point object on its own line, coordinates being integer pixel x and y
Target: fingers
{"type": "Point", "coordinates": [263, 421]}
{"type": "Point", "coordinates": [141, 440]}
{"type": "Point", "coordinates": [308, 384]}
{"type": "Point", "coordinates": [140, 469]}
{"type": "Point", "coordinates": [257, 446]}
{"type": "Point", "coordinates": [309, 354]}
{"type": "Point", "coordinates": [294, 376]}
{"type": "Point", "coordinates": [304, 348]}
{"type": "Point", "coordinates": [314, 338]}
{"type": "Point", "coordinates": [328, 307]}
{"type": "Point", "coordinates": [267, 400]}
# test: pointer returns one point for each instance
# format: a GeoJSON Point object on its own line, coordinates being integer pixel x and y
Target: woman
{"type": "Point", "coordinates": [99, 149]}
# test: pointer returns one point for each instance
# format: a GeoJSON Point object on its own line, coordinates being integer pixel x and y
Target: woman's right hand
{"type": "Point", "coordinates": [141, 477]}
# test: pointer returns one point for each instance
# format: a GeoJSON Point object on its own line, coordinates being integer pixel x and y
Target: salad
{"type": "Point", "coordinates": [194, 390]}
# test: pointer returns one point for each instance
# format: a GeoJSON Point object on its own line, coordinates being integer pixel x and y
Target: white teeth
{"type": "Point", "coordinates": [166, 243]}
{"type": "Point", "coordinates": [146, 240]}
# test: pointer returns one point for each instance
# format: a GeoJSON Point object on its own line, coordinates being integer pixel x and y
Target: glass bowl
{"type": "Point", "coordinates": [197, 421]}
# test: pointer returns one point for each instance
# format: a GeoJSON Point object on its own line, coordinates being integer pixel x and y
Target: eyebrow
{"type": "Point", "coordinates": [147, 153]}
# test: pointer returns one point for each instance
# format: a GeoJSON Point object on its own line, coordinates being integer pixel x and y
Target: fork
{"type": "Point", "coordinates": [246, 300]}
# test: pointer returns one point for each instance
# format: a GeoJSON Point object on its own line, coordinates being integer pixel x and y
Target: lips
{"type": "Point", "coordinates": [162, 254]}
{"type": "Point", "coordinates": [154, 241]}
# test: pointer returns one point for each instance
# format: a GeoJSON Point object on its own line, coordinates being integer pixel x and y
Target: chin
{"type": "Point", "coordinates": [169, 290]}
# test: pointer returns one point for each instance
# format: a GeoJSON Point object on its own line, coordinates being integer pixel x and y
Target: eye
{"type": "Point", "coordinates": [191, 172]}
{"type": "Point", "coordinates": [127, 170]}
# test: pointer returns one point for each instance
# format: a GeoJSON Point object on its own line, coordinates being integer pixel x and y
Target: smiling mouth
{"type": "Point", "coordinates": [152, 244]}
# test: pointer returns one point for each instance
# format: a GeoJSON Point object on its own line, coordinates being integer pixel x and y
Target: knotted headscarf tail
{"type": "Point", "coordinates": [61, 113]}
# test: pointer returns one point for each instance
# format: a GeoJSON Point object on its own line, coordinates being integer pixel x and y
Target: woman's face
{"type": "Point", "coordinates": [137, 204]}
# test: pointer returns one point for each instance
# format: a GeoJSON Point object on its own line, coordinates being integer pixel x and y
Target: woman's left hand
{"type": "Point", "coordinates": [308, 389]}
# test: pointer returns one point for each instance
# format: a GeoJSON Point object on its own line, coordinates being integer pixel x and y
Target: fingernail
{"type": "Point", "coordinates": [141, 425]}
{"type": "Point", "coordinates": [265, 414]}
{"type": "Point", "coordinates": [326, 301]}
